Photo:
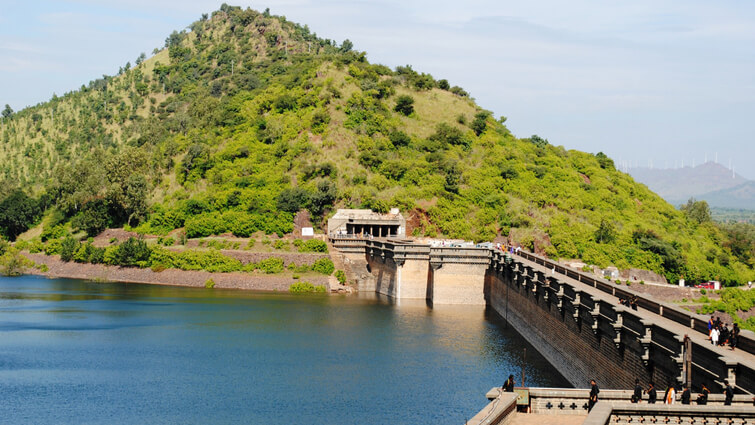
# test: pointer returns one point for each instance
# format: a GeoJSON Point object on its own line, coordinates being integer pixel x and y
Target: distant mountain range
{"type": "Point", "coordinates": [711, 182]}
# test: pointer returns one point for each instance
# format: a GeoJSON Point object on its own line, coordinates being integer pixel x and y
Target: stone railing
{"type": "Point", "coordinates": [696, 322]}
{"type": "Point", "coordinates": [614, 407]}
{"type": "Point", "coordinates": [573, 401]}
{"type": "Point", "coordinates": [459, 255]}
{"type": "Point", "coordinates": [605, 413]}
{"type": "Point", "coordinates": [626, 327]}
{"type": "Point", "coordinates": [497, 412]}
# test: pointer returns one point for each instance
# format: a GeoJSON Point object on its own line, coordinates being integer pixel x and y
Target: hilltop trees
{"type": "Point", "coordinates": [7, 111]}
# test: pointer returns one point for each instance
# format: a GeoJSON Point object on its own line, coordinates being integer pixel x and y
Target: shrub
{"type": "Point", "coordinates": [703, 292]}
{"type": "Point", "coordinates": [324, 266]}
{"type": "Point", "coordinates": [341, 276]}
{"type": "Point", "coordinates": [54, 232]}
{"type": "Point", "coordinates": [209, 284]}
{"type": "Point", "coordinates": [211, 261]}
{"type": "Point", "coordinates": [166, 241]}
{"type": "Point", "coordinates": [313, 245]}
{"type": "Point", "coordinates": [131, 252]}
{"type": "Point", "coordinates": [281, 244]}
{"type": "Point", "coordinates": [83, 253]}
{"type": "Point", "coordinates": [12, 263]}
{"type": "Point", "coordinates": [68, 248]}
{"type": "Point", "coordinates": [110, 255]}
{"type": "Point", "coordinates": [404, 105]}
{"type": "Point", "coordinates": [36, 246]}
{"type": "Point", "coordinates": [271, 265]}
{"type": "Point", "coordinates": [301, 287]}
{"type": "Point", "coordinates": [305, 287]}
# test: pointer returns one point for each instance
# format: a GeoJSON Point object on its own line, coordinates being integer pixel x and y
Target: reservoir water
{"type": "Point", "coordinates": [74, 351]}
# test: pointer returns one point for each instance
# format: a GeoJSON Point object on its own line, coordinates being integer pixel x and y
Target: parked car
{"type": "Point", "coordinates": [707, 285]}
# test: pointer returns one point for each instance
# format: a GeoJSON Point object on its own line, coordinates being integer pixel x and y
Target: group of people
{"type": "Point", "coordinates": [720, 334]}
{"type": "Point", "coordinates": [669, 397]}
{"type": "Point", "coordinates": [632, 302]}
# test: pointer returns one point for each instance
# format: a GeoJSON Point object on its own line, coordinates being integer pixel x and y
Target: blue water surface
{"type": "Point", "coordinates": [82, 352]}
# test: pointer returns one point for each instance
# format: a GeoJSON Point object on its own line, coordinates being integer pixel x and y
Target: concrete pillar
{"type": "Point", "coordinates": [455, 283]}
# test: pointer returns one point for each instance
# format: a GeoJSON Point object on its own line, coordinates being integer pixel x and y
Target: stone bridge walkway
{"type": "Point", "coordinates": [519, 418]}
{"type": "Point", "coordinates": [737, 355]}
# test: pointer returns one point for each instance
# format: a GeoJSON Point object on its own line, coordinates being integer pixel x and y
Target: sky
{"type": "Point", "coordinates": [660, 83]}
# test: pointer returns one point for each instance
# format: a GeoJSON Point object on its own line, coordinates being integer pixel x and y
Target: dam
{"type": "Point", "coordinates": [573, 319]}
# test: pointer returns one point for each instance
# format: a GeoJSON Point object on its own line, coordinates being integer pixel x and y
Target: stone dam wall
{"type": "Point", "coordinates": [575, 321]}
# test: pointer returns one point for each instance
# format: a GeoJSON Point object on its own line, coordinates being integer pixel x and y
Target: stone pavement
{"type": "Point", "coordinates": [519, 418]}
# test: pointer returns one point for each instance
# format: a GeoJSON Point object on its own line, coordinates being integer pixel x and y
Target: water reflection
{"type": "Point", "coordinates": [75, 351]}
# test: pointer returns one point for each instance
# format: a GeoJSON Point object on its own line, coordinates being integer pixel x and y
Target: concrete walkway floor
{"type": "Point", "coordinates": [519, 418]}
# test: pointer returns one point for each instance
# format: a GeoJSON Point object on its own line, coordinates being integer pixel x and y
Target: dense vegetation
{"type": "Point", "coordinates": [136, 252]}
{"type": "Point", "coordinates": [246, 119]}
{"type": "Point", "coordinates": [731, 301]}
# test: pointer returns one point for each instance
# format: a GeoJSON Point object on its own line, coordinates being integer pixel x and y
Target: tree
{"type": "Point", "coordinates": [480, 122]}
{"type": "Point", "coordinates": [346, 46]}
{"type": "Point", "coordinates": [443, 84]}
{"type": "Point", "coordinates": [135, 198]}
{"type": "Point", "coordinates": [538, 141]}
{"type": "Point", "coordinates": [448, 134]}
{"type": "Point", "coordinates": [292, 200]}
{"type": "Point", "coordinates": [18, 212]}
{"type": "Point", "coordinates": [605, 233]}
{"type": "Point", "coordinates": [8, 111]}
{"type": "Point", "coordinates": [604, 161]}
{"type": "Point", "coordinates": [697, 211]}
{"type": "Point", "coordinates": [68, 249]}
{"type": "Point", "coordinates": [399, 138]}
{"type": "Point", "coordinates": [132, 252]}
{"type": "Point", "coordinates": [404, 105]}
{"type": "Point", "coordinates": [324, 197]}
{"type": "Point", "coordinates": [93, 218]}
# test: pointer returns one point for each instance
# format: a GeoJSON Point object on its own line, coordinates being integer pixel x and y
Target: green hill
{"type": "Point", "coordinates": [248, 118]}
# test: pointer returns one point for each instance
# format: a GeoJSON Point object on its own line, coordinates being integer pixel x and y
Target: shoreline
{"type": "Point", "coordinates": [168, 277]}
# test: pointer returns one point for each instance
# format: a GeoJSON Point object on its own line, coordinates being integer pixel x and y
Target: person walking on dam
{"type": "Point", "coordinates": [508, 386]}
{"type": "Point", "coordinates": [652, 393]}
{"type": "Point", "coordinates": [670, 396]}
{"type": "Point", "coordinates": [686, 395]}
{"type": "Point", "coordinates": [729, 392]}
{"type": "Point", "coordinates": [594, 390]}
{"type": "Point", "coordinates": [702, 398]}
{"type": "Point", "coordinates": [637, 396]}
